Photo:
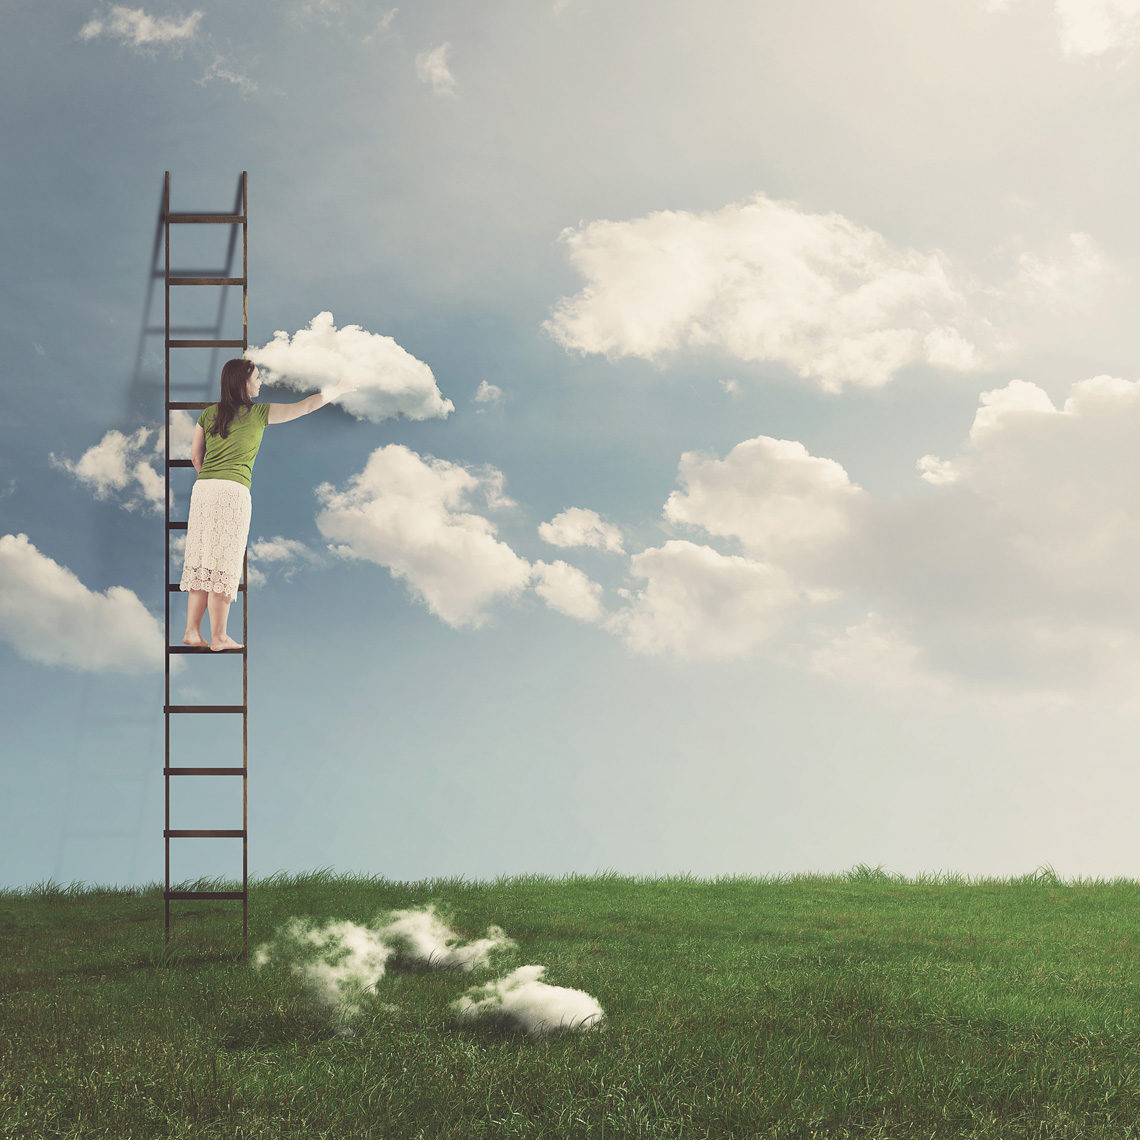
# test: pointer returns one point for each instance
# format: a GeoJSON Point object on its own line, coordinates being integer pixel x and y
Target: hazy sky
{"type": "Point", "coordinates": [742, 476]}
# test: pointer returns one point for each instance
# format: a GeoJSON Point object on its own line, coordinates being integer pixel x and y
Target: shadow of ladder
{"type": "Point", "coordinates": [239, 217]}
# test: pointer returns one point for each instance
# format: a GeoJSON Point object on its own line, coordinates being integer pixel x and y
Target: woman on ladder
{"type": "Point", "coordinates": [226, 442]}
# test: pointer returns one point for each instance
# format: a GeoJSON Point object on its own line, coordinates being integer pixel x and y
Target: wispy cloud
{"type": "Point", "coordinates": [134, 26]}
{"type": "Point", "coordinates": [431, 68]}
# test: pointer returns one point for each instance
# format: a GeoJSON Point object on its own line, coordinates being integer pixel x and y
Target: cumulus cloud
{"type": "Point", "coordinates": [579, 526]}
{"type": "Point", "coordinates": [1008, 571]}
{"type": "Point", "coordinates": [522, 999]}
{"type": "Point", "coordinates": [767, 280]}
{"type": "Point", "coordinates": [567, 589]}
{"type": "Point", "coordinates": [286, 553]}
{"type": "Point", "coordinates": [770, 494]}
{"type": "Point", "coordinates": [391, 381]}
{"type": "Point", "coordinates": [697, 603]}
{"type": "Point", "coordinates": [119, 464]}
{"type": "Point", "coordinates": [413, 515]}
{"type": "Point", "coordinates": [134, 26]}
{"type": "Point", "coordinates": [48, 616]}
{"type": "Point", "coordinates": [432, 69]}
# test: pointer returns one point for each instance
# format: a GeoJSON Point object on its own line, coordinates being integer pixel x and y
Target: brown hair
{"type": "Point", "coordinates": [235, 379]}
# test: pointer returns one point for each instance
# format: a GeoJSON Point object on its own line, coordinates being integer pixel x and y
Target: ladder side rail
{"type": "Point", "coordinates": [166, 505]}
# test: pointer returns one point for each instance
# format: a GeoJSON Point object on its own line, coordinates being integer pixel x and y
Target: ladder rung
{"type": "Point", "coordinates": [203, 771]}
{"type": "Point", "coordinates": [176, 587]}
{"type": "Point", "coordinates": [188, 404]}
{"type": "Point", "coordinates": [203, 833]}
{"type": "Point", "coordinates": [205, 344]}
{"type": "Point", "coordinates": [181, 463]}
{"type": "Point", "coordinates": [202, 649]}
{"type": "Point", "coordinates": [173, 218]}
{"type": "Point", "coordinates": [205, 280]}
{"type": "Point", "coordinates": [205, 894]}
{"type": "Point", "coordinates": [177, 525]}
{"type": "Point", "coordinates": [204, 708]}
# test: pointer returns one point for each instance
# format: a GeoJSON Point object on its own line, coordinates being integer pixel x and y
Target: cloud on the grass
{"type": "Point", "coordinates": [342, 965]}
{"type": "Point", "coordinates": [391, 381]}
{"type": "Point", "coordinates": [48, 616]}
{"type": "Point", "coordinates": [832, 300]}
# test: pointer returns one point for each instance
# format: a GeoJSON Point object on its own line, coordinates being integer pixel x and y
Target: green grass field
{"type": "Point", "coordinates": [852, 1005]}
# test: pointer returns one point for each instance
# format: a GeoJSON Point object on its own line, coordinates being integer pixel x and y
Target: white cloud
{"type": "Point", "coordinates": [697, 603]}
{"type": "Point", "coordinates": [769, 281]}
{"type": "Point", "coordinates": [567, 589]}
{"type": "Point", "coordinates": [874, 653]}
{"type": "Point", "coordinates": [137, 28]}
{"type": "Point", "coordinates": [119, 464]}
{"type": "Point", "coordinates": [1088, 27]}
{"type": "Point", "coordinates": [392, 381]}
{"type": "Point", "coordinates": [48, 616]}
{"type": "Point", "coordinates": [770, 494]}
{"type": "Point", "coordinates": [579, 526]}
{"type": "Point", "coordinates": [431, 68]}
{"type": "Point", "coordinates": [411, 514]}
{"type": "Point", "coordinates": [488, 393]}
{"type": "Point", "coordinates": [382, 25]}
{"type": "Point", "coordinates": [340, 961]}
{"type": "Point", "coordinates": [523, 999]}
{"type": "Point", "coordinates": [289, 553]}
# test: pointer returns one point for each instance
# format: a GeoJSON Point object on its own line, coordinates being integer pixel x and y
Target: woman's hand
{"type": "Point", "coordinates": [341, 388]}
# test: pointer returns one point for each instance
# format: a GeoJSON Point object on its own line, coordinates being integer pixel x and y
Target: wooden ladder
{"type": "Point", "coordinates": [170, 833]}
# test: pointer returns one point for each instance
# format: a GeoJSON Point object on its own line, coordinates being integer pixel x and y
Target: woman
{"type": "Point", "coordinates": [226, 442]}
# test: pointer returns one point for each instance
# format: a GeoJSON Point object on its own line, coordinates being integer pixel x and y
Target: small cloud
{"type": "Point", "coordinates": [488, 393]}
{"type": "Point", "coordinates": [138, 29]}
{"type": "Point", "coordinates": [381, 29]}
{"type": "Point", "coordinates": [289, 553]}
{"type": "Point", "coordinates": [732, 387]}
{"type": "Point", "coordinates": [39, 348]}
{"type": "Point", "coordinates": [579, 526]}
{"type": "Point", "coordinates": [219, 69]}
{"type": "Point", "coordinates": [537, 1008]}
{"type": "Point", "coordinates": [568, 590]}
{"type": "Point", "coordinates": [431, 67]}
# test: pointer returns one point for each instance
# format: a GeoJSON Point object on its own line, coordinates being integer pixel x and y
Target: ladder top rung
{"type": "Point", "coordinates": [206, 281]}
{"type": "Point", "coordinates": [205, 344]}
{"type": "Point", "coordinates": [204, 708]}
{"type": "Point", "coordinates": [183, 217]}
{"type": "Point", "coordinates": [204, 833]}
{"type": "Point", "coordinates": [203, 771]}
{"type": "Point", "coordinates": [188, 404]}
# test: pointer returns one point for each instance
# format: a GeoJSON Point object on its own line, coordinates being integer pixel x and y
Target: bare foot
{"type": "Point", "coordinates": [224, 642]}
{"type": "Point", "coordinates": [193, 637]}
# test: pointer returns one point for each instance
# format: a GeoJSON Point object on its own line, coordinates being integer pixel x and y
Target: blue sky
{"type": "Point", "coordinates": [742, 473]}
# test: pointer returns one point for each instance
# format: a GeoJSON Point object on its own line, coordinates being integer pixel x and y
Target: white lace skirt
{"type": "Point", "coordinates": [217, 528]}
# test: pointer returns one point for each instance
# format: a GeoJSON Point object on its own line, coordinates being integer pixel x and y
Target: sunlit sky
{"type": "Point", "coordinates": [742, 473]}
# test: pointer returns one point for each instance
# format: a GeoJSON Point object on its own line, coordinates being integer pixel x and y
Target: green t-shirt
{"type": "Point", "coordinates": [232, 457]}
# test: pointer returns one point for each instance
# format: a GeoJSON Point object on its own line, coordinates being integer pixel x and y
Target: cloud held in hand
{"type": "Point", "coordinates": [391, 381]}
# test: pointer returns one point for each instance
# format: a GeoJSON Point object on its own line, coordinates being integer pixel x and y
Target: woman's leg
{"type": "Point", "coordinates": [195, 611]}
{"type": "Point", "coordinates": [219, 607]}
